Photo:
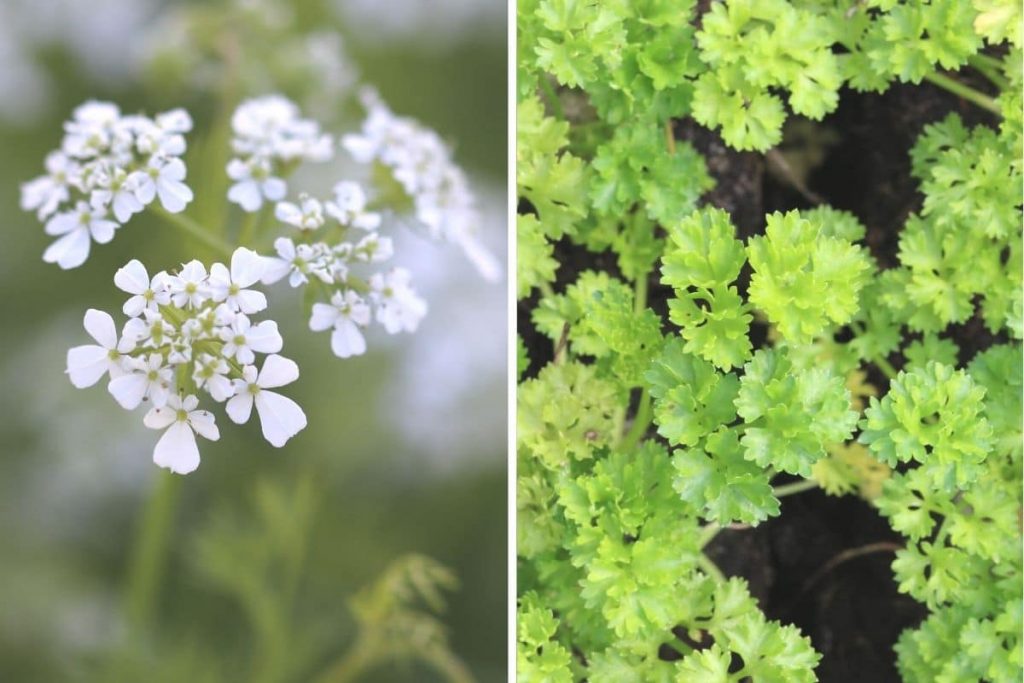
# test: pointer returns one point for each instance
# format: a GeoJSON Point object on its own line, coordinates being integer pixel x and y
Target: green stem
{"type": "Point", "coordinates": [149, 554]}
{"type": "Point", "coordinates": [710, 568]}
{"type": "Point", "coordinates": [640, 293]}
{"type": "Point", "coordinates": [350, 665]}
{"type": "Point", "coordinates": [644, 415]}
{"type": "Point", "coordinates": [886, 367]}
{"type": "Point", "coordinates": [990, 69]}
{"type": "Point", "coordinates": [708, 533]}
{"type": "Point", "coordinates": [966, 92]}
{"type": "Point", "coordinates": [190, 227]}
{"type": "Point", "coordinates": [552, 98]}
{"type": "Point", "coordinates": [795, 487]}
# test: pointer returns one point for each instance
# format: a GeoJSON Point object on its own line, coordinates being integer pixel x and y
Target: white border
{"type": "Point", "coordinates": [512, 335]}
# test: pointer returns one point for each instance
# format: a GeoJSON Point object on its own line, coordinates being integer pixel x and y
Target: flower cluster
{"type": "Point", "coordinates": [190, 332]}
{"type": "Point", "coordinates": [347, 237]}
{"type": "Point", "coordinates": [109, 167]}
{"type": "Point", "coordinates": [421, 163]}
{"type": "Point", "coordinates": [270, 135]}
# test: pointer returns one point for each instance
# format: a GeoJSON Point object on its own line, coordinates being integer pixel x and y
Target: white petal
{"type": "Point", "coordinates": [177, 450]}
{"type": "Point", "coordinates": [102, 230]}
{"type": "Point", "coordinates": [277, 371]}
{"type": "Point", "coordinates": [264, 337]}
{"type": "Point", "coordinates": [100, 327]}
{"type": "Point", "coordinates": [86, 364]}
{"type": "Point", "coordinates": [134, 306]}
{"type": "Point", "coordinates": [62, 223]}
{"type": "Point", "coordinates": [71, 250]}
{"type": "Point", "coordinates": [160, 417]}
{"type": "Point", "coordinates": [274, 269]}
{"type": "Point", "coordinates": [203, 422]}
{"type": "Point", "coordinates": [239, 408]}
{"type": "Point", "coordinates": [174, 195]}
{"type": "Point", "coordinates": [347, 340]}
{"type": "Point", "coordinates": [250, 301]}
{"type": "Point", "coordinates": [132, 277]}
{"type": "Point", "coordinates": [323, 317]}
{"type": "Point", "coordinates": [280, 417]}
{"type": "Point", "coordinates": [246, 267]}
{"type": "Point", "coordinates": [247, 195]}
{"type": "Point", "coordinates": [274, 188]}
{"type": "Point", "coordinates": [286, 212]}
{"type": "Point", "coordinates": [128, 390]}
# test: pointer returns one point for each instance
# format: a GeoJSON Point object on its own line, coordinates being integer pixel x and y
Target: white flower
{"type": "Point", "coordinates": [309, 215]}
{"type": "Point", "coordinates": [297, 262]}
{"type": "Point", "coordinates": [399, 308]}
{"type": "Point", "coordinates": [253, 183]}
{"type": "Point", "coordinates": [230, 287]}
{"type": "Point", "coordinates": [189, 286]}
{"type": "Point", "coordinates": [44, 194]}
{"type": "Point", "coordinates": [347, 313]}
{"type": "Point", "coordinates": [79, 228]}
{"type": "Point", "coordinates": [280, 417]}
{"type": "Point", "coordinates": [177, 449]}
{"type": "Point", "coordinates": [148, 378]}
{"type": "Point", "coordinates": [242, 338]}
{"type": "Point", "coordinates": [211, 373]}
{"type": "Point", "coordinates": [349, 207]}
{"type": "Point", "coordinates": [163, 178]}
{"type": "Point", "coordinates": [148, 294]}
{"type": "Point", "coordinates": [88, 363]}
{"type": "Point", "coordinates": [121, 196]}
{"type": "Point", "coordinates": [374, 249]}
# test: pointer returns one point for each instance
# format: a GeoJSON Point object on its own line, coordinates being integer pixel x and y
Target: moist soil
{"type": "Point", "coordinates": [824, 563]}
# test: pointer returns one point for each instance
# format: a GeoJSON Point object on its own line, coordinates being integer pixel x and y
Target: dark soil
{"type": "Point", "coordinates": [824, 563]}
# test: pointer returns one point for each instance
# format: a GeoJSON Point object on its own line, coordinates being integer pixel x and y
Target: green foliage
{"type": "Point", "coordinates": [656, 424]}
{"type": "Point", "coordinates": [702, 265]}
{"type": "Point", "coordinates": [805, 279]}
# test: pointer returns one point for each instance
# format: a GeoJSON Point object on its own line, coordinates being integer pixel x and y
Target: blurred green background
{"type": "Point", "coordinates": [405, 449]}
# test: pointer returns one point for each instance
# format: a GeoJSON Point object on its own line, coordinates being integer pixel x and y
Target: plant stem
{"type": "Point", "coordinates": [708, 533]}
{"type": "Point", "coordinates": [966, 92]}
{"type": "Point", "coordinates": [149, 554]}
{"type": "Point", "coordinates": [552, 98]}
{"type": "Point", "coordinates": [990, 69]}
{"type": "Point", "coordinates": [644, 415]}
{"type": "Point", "coordinates": [190, 227]}
{"type": "Point", "coordinates": [670, 137]}
{"type": "Point", "coordinates": [358, 659]}
{"type": "Point", "coordinates": [886, 367]}
{"type": "Point", "coordinates": [795, 487]}
{"type": "Point", "coordinates": [640, 293]}
{"type": "Point", "coordinates": [710, 568]}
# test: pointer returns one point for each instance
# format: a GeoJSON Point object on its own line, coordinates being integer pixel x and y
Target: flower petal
{"type": "Point", "coordinates": [250, 301]}
{"type": "Point", "coordinates": [347, 340]}
{"type": "Point", "coordinates": [280, 417]}
{"type": "Point", "coordinates": [160, 417]}
{"type": "Point", "coordinates": [132, 277]}
{"type": "Point", "coordinates": [323, 317]}
{"type": "Point", "coordinates": [177, 450]}
{"type": "Point", "coordinates": [174, 195]}
{"type": "Point", "coordinates": [264, 337]}
{"type": "Point", "coordinates": [246, 194]}
{"type": "Point", "coordinates": [246, 267]}
{"type": "Point", "coordinates": [239, 408]}
{"type": "Point", "coordinates": [86, 364]}
{"type": "Point", "coordinates": [277, 371]}
{"type": "Point", "coordinates": [71, 250]}
{"type": "Point", "coordinates": [204, 423]}
{"type": "Point", "coordinates": [128, 390]}
{"type": "Point", "coordinates": [100, 327]}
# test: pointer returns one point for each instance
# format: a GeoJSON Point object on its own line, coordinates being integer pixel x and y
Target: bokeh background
{"type": "Point", "coordinates": [405, 449]}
